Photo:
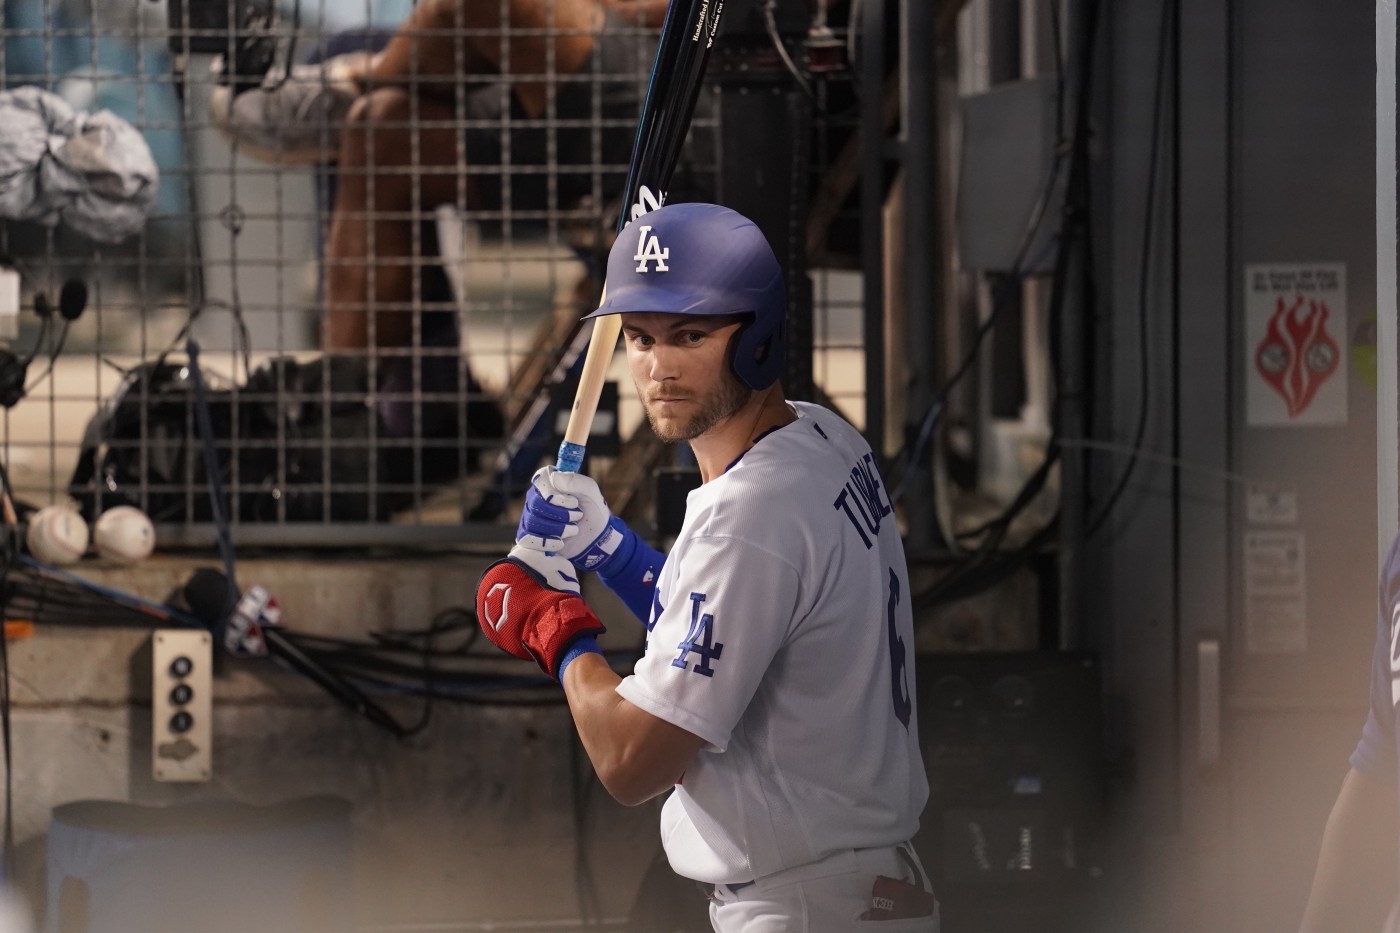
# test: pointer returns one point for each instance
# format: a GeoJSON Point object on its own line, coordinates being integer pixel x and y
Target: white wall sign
{"type": "Point", "coordinates": [1275, 592]}
{"type": "Point", "coordinates": [1295, 330]}
{"type": "Point", "coordinates": [1271, 504]}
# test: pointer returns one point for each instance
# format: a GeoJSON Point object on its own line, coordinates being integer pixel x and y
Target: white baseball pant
{"type": "Point", "coordinates": [828, 896]}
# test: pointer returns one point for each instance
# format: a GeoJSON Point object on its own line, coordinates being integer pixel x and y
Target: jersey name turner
{"type": "Point", "coordinates": [863, 494]}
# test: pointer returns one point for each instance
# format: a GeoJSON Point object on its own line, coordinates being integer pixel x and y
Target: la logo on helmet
{"type": "Point", "coordinates": [649, 249]}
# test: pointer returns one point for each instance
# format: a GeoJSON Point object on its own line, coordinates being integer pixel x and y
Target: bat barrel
{"type": "Point", "coordinates": [674, 124]}
{"type": "Point", "coordinates": [670, 98]}
{"type": "Point", "coordinates": [669, 104]}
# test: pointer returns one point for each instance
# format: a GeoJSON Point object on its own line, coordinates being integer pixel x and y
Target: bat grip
{"type": "Point", "coordinates": [570, 457]}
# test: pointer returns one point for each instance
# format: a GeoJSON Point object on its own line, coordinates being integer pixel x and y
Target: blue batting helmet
{"type": "Point", "coordinates": [704, 259]}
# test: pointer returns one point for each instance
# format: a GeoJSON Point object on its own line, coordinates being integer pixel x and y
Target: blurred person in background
{"type": "Point", "coordinates": [1354, 887]}
{"type": "Point", "coordinates": [467, 102]}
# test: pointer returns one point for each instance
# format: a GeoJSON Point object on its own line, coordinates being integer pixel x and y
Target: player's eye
{"type": "Point", "coordinates": [639, 340]}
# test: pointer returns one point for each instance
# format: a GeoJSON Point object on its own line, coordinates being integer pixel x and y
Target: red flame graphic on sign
{"type": "Point", "coordinates": [1297, 355]}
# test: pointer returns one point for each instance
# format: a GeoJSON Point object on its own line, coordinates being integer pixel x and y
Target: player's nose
{"type": "Point", "coordinates": [664, 363]}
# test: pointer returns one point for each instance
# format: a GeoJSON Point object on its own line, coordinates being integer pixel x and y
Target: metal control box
{"type": "Point", "coordinates": [182, 694]}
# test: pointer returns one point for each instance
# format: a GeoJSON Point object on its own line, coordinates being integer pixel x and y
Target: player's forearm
{"type": "Point", "coordinates": [1354, 884]}
{"type": "Point", "coordinates": [636, 755]}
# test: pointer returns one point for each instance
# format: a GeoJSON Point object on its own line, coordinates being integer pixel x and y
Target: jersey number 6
{"type": "Point", "coordinates": [899, 670]}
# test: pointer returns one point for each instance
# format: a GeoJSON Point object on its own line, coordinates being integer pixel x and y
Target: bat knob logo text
{"type": "Point", "coordinates": [646, 202]}
{"type": "Point", "coordinates": [497, 605]}
{"type": "Point", "coordinates": [1297, 355]}
{"type": "Point", "coordinates": [649, 249]}
{"type": "Point", "coordinates": [700, 22]}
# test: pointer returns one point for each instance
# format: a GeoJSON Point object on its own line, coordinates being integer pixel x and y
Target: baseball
{"type": "Point", "coordinates": [124, 534]}
{"type": "Point", "coordinates": [57, 534]}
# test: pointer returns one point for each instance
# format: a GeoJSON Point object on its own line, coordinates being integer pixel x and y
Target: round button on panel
{"type": "Point", "coordinates": [181, 666]}
{"type": "Point", "coordinates": [181, 722]}
{"type": "Point", "coordinates": [181, 694]}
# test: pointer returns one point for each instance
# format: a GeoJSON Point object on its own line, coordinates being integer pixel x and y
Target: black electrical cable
{"type": "Point", "coordinates": [390, 666]}
{"type": "Point", "coordinates": [45, 314]}
{"type": "Point", "coordinates": [1018, 264]}
{"type": "Point", "coordinates": [453, 618]}
{"type": "Point", "coordinates": [524, 693]}
{"type": "Point", "coordinates": [278, 644]}
{"type": "Point", "coordinates": [953, 585]}
{"type": "Point", "coordinates": [205, 425]}
{"type": "Point", "coordinates": [52, 356]}
{"type": "Point", "coordinates": [987, 563]}
{"type": "Point", "coordinates": [194, 267]}
{"type": "Point", "coordinates": [429, 693]}
{"type": "Point", "coordinates": [232, 218]}
{"type": "Point", "coordinates": [403, 671]}
{"type": "Point", "coordinates": [981, 566]}
{"type": "Point", "coordinates": [502, 692]}
{"type": "Point", "coordinates": [950, 590]}
{"type": "Point", "coordinates": [181, 338]}
{"type": "Point", "coordinates": [484, 688]}
{"type": "Point", "coordinates": [1144, 267]}
{"type": "Point", "coordinates": [770, 24]}
{"type": "Point", "coordinates": [290, 59]}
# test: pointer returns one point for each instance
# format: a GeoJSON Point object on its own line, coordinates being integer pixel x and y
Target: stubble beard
{"type": "Point", "coordinates": [728, 400]}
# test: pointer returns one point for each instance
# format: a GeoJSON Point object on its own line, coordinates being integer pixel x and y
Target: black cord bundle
{"type": "Point", "coordinates": [1167, 32]}
{"type": "Point", "coordinates": [985, 566]}
{"type": "Point", "coordinates": [980, 568]}
{"type": "Point", "coordinates": [414, 664]}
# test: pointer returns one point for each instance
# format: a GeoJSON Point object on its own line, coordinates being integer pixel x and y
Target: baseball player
{"type": "Point", "coordinates": [775, 698]}
{"type": "Point", "coordinates": [1355, 882]}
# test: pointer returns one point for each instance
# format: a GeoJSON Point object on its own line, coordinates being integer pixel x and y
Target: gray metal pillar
{"type": "Point", "coordinates": [922, 232]}
{"type": "Point", "coordinates": [1071, 401]}
{"type": "Point", "coordinates": [872, 195]}
{"type": "Point", "coordinates": [1387, 402]}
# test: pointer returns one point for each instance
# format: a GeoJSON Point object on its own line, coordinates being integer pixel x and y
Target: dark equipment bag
{"type": "Point", "coordinates": [300, 442]}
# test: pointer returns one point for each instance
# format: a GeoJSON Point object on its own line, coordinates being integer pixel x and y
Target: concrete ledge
{"type": "Point", "coordinates": [480, 818]}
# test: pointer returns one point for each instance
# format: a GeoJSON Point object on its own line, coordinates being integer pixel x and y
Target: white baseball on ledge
{"type": "Point", "coordinates": [57, 534]}
{"type": "Point", "coordinates": [124, 534]}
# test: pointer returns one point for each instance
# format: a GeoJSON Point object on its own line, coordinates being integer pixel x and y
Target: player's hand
{"type": "Point", "coordinates": [528, 604]}
{"type": "Point", "coordinates": [565, 514]}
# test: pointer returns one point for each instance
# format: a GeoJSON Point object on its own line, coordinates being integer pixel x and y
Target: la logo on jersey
{"type": "Point", "coordinates": [699, 640]}
{"type": "Point", "coordinates": [649, 249]}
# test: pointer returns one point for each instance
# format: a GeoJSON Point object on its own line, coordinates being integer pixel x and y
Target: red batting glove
{"type": "Point", "coordinates": [529, 605]}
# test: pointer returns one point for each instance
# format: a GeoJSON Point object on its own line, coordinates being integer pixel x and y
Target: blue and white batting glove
{"type": "Point", "coordinates": [565, 514]}
{"type": "Point", "coordinates": [548, 569]}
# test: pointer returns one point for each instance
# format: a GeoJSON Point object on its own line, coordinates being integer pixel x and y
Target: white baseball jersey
{"type": "Point", "coordinates": [781, 634]}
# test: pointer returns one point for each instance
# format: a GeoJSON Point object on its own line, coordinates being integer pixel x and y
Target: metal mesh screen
{"type": "Point", "coordinates": [380, 258]}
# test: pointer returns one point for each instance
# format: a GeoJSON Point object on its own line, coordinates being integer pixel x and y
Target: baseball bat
{"type": "Point", "coordinates": [672, 91]}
